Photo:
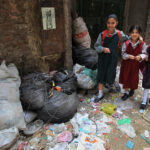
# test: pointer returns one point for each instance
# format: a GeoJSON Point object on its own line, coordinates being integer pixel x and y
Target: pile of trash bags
{"type": "Point", "coordinates": [53, 98]}
{"type": "Point", "coordinates": [87, 57]}
{"type": "Point", "coordinates": [82, 52]}
{"type": "Point", "coordinates": [86, 78]}
{"type": "Point", "coordinates": [59, 108]}
{"type": "Point", "coordinates": [80, 33]}
{"type": "Point", "coordinates": [66, 80]}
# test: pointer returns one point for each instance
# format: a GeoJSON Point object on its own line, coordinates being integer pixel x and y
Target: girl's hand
{"type": "Point", "coordinates": [141, 39]}
{"type": "Point", "coordinates": [138, 58]}
{"type": "Point", "coordinates": [146, 59]}
{"type": "Point", "coordinates": [106, 50]}
{"type": "Point", "coordinates": [131, 57]}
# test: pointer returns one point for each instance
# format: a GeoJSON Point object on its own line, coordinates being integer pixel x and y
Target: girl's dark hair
{"type": "Point", "coordinates": [113, 16]}
{"type": "Point", "coordinates": [137, 27]}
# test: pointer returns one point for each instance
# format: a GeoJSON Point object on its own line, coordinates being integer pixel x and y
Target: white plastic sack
{"type": "Point", "coordinates": [80, 33]}
{"type": "Point", "coordinates": [11, 113]}
{"type": "Point", "coordinates": [8, 137]}
{"type": "Point", "coordinates": [83, 81]}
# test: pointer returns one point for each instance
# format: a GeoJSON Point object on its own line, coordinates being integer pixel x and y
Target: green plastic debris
{"type": "Point", "coordinates": [124, 121]}
{"type": "Point", "coordinates": [92, 74]}
{"type": "Point", "coordinates": [108, 108]}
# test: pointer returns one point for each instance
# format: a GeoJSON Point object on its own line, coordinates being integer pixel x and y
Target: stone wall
{"type": "Point", "coordinates": [136, 12]}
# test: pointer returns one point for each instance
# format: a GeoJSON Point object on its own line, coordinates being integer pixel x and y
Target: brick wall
{"type": "Point", "coordinates": [23, 40]}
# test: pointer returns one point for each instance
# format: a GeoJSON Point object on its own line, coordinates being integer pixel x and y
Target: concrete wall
{"type": "Point", "coordinates": [136, 12]}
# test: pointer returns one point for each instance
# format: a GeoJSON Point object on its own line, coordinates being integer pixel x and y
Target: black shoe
{"type": "Point", "coordinates": [148, 101]}
{"type": "Point", "coordinates": [97, 99]}
{"type": "Point", "coordinates": [143, 106]}
{"type": "Point", "coordinates": [125, 97]}
{"type": "Point", "coordinates": [131, 93]}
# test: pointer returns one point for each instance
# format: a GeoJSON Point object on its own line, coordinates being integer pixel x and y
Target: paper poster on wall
{"type": "Point", "coordinates": [48, 17]}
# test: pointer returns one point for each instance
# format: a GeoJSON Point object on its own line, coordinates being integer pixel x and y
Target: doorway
{"type": "Point", "coordinates": [95, 13]}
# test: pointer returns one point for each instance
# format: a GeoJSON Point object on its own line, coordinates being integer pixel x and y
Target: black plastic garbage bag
{"type": "Point", "coordinates": [34, 89]}
{"type": "Point", "coordinates": [66, 80]}
{"type": "Point", "coordinates": [86, 57]}
{"type": "Point", "coordinates": [59, 108]}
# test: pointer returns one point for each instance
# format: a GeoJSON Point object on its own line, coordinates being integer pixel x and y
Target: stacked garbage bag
{"type": "Point", "coordinates": [87, 57]}
{"type": "Point", "coordinates": [80, 33]}
{"type": "Point", "coordinates": [83, 54]}
{"type": "Point", "coordinates": [53, 98]}
{"type": "Point", "coordinates": [86, 78]}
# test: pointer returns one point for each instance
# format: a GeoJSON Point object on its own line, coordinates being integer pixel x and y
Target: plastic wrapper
{"type": "Point", "coordinates": [108, 108]}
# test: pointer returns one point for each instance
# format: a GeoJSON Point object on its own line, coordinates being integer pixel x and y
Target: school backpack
{"type": "Point", "coordinates": [106, 32]}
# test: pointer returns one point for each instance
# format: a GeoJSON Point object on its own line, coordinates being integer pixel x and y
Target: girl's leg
{"type": "Point", "coordinates": [100, 93]}
{"type": "Point", "coordinates": [145, 96]}
{"type": "Point", "coordinates": [143, 104]}
{"type": "Point", "coordinates": [100, 88]}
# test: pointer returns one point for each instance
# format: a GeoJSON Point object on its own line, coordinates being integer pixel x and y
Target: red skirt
{"type": "Point", "coordinates": [129, 74]}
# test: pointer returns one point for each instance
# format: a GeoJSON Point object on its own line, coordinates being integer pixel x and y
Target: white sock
{"type": "Point", "coordinates": [100, 93]}
{"type": "Point", "coordinates": [127, 92]}
{"type": "Point", "coordinates": [145, 96]}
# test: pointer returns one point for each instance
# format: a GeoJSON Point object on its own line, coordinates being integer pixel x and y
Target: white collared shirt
{"type": "Point", "coordinates": [125, 56]}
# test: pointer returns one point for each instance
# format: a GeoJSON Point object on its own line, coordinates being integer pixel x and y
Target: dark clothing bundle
{"type": "Point", "coordinates": [146, 75]}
